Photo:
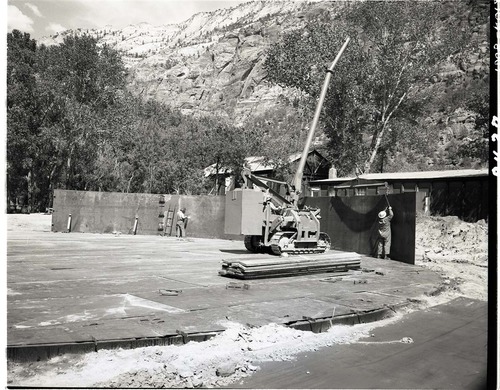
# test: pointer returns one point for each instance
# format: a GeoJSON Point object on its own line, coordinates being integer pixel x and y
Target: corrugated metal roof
{"type": "Point", "coordinates": [422, 175]}
{"type": "Point", "coordinates": [254, 163]}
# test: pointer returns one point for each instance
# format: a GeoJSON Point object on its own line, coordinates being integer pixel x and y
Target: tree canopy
{"type": "Point", "coordinates": [72, 124]}
{"type": "Point", "coordinates": [376, 93]}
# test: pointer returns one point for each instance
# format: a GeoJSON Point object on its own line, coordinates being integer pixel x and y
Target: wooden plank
{"type": "Point", "coordinates": [292, 259]}
{"type": "Point", "coordinates": [298, 269]}
{"type": "Point", "coordinates": [295, 266]}
{"type": "Point", "coordinates": [305, 264]}
{"type": "Point", "coordinates": [271, 275]}
{"type": "Point", "coordinates": [270, 271]}
{"type": "Point", "coordinates": [298, 265]}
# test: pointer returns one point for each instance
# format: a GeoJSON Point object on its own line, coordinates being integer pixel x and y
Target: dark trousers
{"type": "Point", "coordinates": [180, 229]}
{"type": "Point", "coordinates": [384, 246]}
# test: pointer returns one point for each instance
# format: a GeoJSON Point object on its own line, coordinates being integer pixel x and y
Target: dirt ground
{"type": "Point", "coordinates": [447, 245]}
{"type": "Point", "coordinates": [457, 250]}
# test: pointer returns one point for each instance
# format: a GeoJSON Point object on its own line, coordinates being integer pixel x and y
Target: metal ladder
{"type": "Point", "coordinates": [169, 221]}
{"type": "Point", "coordinates": [165, 223]}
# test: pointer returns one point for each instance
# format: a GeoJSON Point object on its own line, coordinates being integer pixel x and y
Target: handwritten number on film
{"type": "Point", "coordinates": [494, 122]}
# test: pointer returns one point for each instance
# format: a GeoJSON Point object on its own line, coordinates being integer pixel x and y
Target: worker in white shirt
{"type": "Point", "coordinates": [384, 232]}
{"type": "Point", "coordinates": [180, 227]}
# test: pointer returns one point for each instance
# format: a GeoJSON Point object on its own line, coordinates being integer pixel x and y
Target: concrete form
{"type": "Point", "coordinates": [110, 212]}
{"type": "Point", "coordinates": [351, 222]}
{"type": "Point", "coordinates": [84, 292]}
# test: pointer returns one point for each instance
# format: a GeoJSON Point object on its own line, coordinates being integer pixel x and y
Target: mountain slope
{"type": "Point", "coordinates": [213, 61]}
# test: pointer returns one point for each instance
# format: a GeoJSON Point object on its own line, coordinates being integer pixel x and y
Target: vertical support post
{"type": "Point", "coordinates": [480, 203]}
{"type": "Point", "coordinates": [267, 215]}
{"type": "Point", "coordinates": [135, 226]}
{"type": "Point", "coordinates": [68, 227]}
{"type": "Point", "coordinates": [427, 205]}
{"type": "Point", "coordinates": [462, 203]}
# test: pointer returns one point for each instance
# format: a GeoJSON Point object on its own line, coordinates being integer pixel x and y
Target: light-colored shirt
{"type": "Point", "coordinates": [180, 216]}
{"type": "Point", "coordinates": [384, 224]}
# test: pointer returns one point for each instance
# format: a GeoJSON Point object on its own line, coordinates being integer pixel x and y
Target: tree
{"type": "Point", "coordinates": [22, 116]}
{"type": "Point", "coordinates": [279, 133]}
{"type": "Point", "coordinates": [406, 43]}
{"type": "Point", "coordinates": [58, 97]}
{"type": "Point", "coordinates": [80, 80]}
{"type": "Point", "coordinates": [213, 140]}
{"type": "Point", "coordinates": [394, 47]}
{"type": "Point", "coordinates": [476, 148]}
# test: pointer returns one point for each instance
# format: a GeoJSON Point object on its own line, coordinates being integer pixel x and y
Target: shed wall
{"type": "Point", "coordinates": [467, 199]}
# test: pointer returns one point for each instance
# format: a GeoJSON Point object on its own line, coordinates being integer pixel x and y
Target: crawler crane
{"type": "Point", "coordinates": [272, 222]}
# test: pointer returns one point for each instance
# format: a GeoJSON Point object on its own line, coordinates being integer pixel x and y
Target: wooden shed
{"type": "Point", "coordinates": [316, 168]}
{"type": "Point", "coordinates": [463, 192]}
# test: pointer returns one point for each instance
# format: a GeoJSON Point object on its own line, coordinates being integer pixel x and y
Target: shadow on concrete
{"type": "Point", "coordinates": [235, 251]}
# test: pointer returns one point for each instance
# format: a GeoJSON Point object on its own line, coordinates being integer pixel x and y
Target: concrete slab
{"type": "Point", "coordinates": [69, 288]}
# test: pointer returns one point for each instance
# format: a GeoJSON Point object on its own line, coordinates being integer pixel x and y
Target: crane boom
{"type": "Point", "coordinates": [297, 181]}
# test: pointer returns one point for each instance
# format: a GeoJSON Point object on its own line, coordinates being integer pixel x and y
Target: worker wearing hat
{"type": "Point", "coordinates": [384, 232]}
{"type": "Point", "coordinates": [180, 227]}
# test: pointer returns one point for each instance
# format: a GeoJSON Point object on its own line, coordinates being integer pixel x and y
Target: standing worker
{"type": "Point", "coordinates": [180, 227]}
{"type": "Point", "coordinates": [384, 233]}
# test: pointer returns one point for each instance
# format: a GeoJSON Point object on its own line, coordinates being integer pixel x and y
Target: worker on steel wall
{"type": "Point", "coordinates": [384, 233]}
{"type": "Point", "coordinates": [180, 227]}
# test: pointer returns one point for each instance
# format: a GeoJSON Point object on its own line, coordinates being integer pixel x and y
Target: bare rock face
{"type": "Point", "coordinates": [224, 77]}
{"type": "Point", "coordinates": [213, 62]}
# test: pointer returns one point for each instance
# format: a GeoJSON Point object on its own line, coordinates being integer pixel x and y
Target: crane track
{"type": "Point", "coordinates": [276, 249]}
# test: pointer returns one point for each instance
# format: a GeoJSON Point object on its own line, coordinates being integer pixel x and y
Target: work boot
{"type": "Point", "coordinates": [386, 257]}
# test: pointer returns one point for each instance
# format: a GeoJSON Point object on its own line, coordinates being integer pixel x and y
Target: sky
{"type": "Point", "coordinates": [41, 18]}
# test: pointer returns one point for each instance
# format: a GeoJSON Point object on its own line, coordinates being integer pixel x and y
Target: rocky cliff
{"type": "Point", "coordinates": [213, 62]}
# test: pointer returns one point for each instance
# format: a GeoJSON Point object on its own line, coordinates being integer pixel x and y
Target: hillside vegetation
{"type": "Point", "coordinates": [145, 109]}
